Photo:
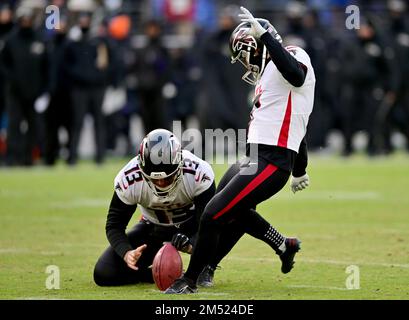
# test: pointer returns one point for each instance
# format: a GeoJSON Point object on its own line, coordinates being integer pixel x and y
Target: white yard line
{"type": "Point", "coordinates": [346, 263]}
{"type": "Point", "coordinates": [13, 250]}
{"type": "Point", "coordinates": [39, 298]}
{"type": "Point", "coordinates": [81, 203]}
{"type": "Point", "coordinates": [324, 261]}
{"type": "Point", "coordinates": [200, 292]}
{"type": "Point", "coordinates": [315, 287]}
{"type": "Point", "coordinates": [50, 253]}
{"type": "Point", "coordinates": [81, 245]}
{"type": "Point", "coordinates": [26, 251]}
{"type": "Point", "coordinates": [203, 293]}
{"type": "Point", "coordinates": [340, 195]}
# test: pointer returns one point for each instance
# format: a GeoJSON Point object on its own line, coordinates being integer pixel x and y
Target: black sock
{"type": "Point", "coordinates": [259, 228]}
{"type": "Point", "coordinates": [275, 239]}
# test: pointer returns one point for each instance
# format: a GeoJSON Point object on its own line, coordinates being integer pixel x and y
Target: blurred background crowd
{"type": "Point", "coordinates": [125, 67]}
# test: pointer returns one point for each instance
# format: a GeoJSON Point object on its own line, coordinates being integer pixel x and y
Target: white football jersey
{"type": "Point", "coordinates": [281, 111]}
{"type": "Point", "coordinates": [175, 208]}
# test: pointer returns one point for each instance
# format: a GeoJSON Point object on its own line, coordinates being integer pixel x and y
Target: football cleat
{"type": "Point", "coordinates": [205, 278]}
{"type": "Point", "coordinates": [181, 286]}
{"type": "Point", "coordinates": [287, 258]}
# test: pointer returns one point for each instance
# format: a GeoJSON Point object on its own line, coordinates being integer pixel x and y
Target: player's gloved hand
{"type": "Point", "coordinates": [300, 183]}
{"type": "Point", "coordinates": [256, 29]}
{"type": "Point", "coordinates": [180, 241]}
{"type": "Point", "coordinates": [132, 256]}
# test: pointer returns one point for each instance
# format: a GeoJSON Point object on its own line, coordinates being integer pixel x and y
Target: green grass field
{"type": "Point", "coordinates": [356, 212]}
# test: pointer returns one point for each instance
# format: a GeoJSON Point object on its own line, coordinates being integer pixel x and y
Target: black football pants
{"type": "Point", "coordinates": [112, 270]}
{"type": "Point", "coordinates": [247, 186]}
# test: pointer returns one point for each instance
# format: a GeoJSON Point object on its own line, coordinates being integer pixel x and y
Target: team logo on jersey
{"type": "Point", "coordinates": [291, 49]}
{"type": "Point", "coordinates": [205, 178]}
{"type": "Point", "coordinates": [118, 187]}
{"type": "Point", "coordinates": [202, 178]}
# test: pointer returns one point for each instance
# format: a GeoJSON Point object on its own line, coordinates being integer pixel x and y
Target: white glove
{"type": "Point", "coordinates": [300, 183]}
{"type": "Point", "coordinates": [41, 103]}
{"type": "Point", "coordinates": [256, 29]}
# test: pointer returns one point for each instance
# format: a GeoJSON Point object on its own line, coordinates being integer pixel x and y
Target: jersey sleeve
{"type": "Point", "coordinates": [204, 178]}
{"type": "Point", "coordinates": [299, 54]}
{"type": "Point", "coordinates": [199, 175]}
{"type": "Point", "coordinates": [126, 183]}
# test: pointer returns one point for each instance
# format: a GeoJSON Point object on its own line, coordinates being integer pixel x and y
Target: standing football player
{"type": "Point", "coordinates": [284, 94]}
{"type": "Point", "coordinates": [172, 187]}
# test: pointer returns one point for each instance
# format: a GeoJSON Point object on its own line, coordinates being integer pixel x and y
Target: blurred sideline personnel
{"type": "Point", "coordinates": [369, 82]}
{"type": "Point", "coordinates": [153, 72]}
{"type": "Point", "coordinates": [89, 63]}
{"type": "Point", "coordinates": [306, 31]}
{"type": "Point", "coordinates": [398, 32]}
{"type": "Point", "coordinates": [172, 187]}
{"type": "Point", "coordinates": [225, 96]}
{"type": "Point", "coordinates": [23, 62]}
{"type": "Point", "coordinates": [284, 96]}
{"type": "Point", "coordinates": [6, 25]}
{"type": "Point", "coordinates": [59, 112]}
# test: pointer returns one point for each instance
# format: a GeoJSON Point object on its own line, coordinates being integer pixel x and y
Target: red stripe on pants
{"type": "Point", "coordinates": [268, 171]}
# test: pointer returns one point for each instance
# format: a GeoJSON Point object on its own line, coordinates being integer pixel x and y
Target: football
{"type": "Point", "coordinates": [167, 266]}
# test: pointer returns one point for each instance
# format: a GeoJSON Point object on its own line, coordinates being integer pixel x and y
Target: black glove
{"type": "Point", "coordinates": [180, 241]}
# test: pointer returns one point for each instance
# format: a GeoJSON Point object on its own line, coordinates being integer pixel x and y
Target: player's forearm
{"type": "Point", "coordinates": [115, 232]}
{"type": "Point", "coordinates": [119, 241]}
{"type": "Point", "coordinates": [292, 70]}
{"type": "Point", "coordinates": [119, 215]}
{"type": "Point", "coordinates": [301, 161]}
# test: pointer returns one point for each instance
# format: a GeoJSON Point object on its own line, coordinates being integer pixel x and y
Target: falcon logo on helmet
{"type": "Point", "coordinates": [242, 39]}
{"type": "Point", "coordinates": [251, 52]}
